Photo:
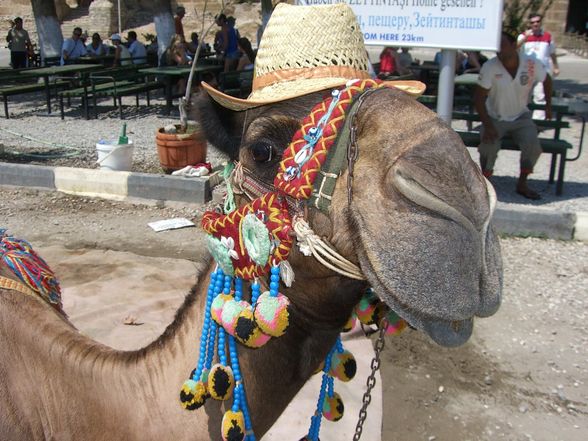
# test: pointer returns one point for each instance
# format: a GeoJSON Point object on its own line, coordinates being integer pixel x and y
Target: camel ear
{"type": "Point", "coordinates": [222, 127]}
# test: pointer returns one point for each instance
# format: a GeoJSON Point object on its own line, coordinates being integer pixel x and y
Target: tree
{"type": "Point", "coordinates": [164, 24]}
{"type": "Point", "coordinates": [516, 12]}
{"type": "Point", "coordinates": [48, 28]}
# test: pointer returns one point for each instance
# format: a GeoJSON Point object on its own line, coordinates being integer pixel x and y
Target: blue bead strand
{"type": "Point", "coordinates": [222, 353]}
{"type": "Point", "coordinates": [255, 291]}
{"type": "Point", "coordinates": [315, 421]}
{"type": "Point", "coordinates": [274, 280]}
{"type": "Point", "coordinates": [227, 284]}
{"type": "Point", "coordinates": [211, 345]}
{"type": "Point", "coordinates": [205, 327]}
{"type": "Point", "coordinates": [339, 344]}
{"type": "Point", "coordinates": [238, 288]}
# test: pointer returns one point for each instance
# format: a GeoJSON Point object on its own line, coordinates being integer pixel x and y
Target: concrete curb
{"type": "Point", "coordinates": [120, 185]}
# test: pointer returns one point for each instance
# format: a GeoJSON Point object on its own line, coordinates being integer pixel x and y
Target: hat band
{"type": "Point", "coordinates": [278, 76]}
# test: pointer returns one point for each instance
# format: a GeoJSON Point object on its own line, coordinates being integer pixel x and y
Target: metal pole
{"type": "Point", "coordinates": [446, 85]}
{"type": "Point", "coordinates": [119, 24]}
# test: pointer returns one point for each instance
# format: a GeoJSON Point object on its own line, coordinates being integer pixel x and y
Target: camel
{"type": "Point", "coordinates": [415, 219]}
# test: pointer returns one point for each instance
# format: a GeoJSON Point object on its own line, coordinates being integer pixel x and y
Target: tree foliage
{"type": "Point", "coordinates": [516, 12]}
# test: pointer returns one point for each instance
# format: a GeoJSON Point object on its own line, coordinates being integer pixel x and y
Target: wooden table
{"type": "Point", "coordinates": [82, 70]}
{"type": "Point", "coordinates": [170, 72]}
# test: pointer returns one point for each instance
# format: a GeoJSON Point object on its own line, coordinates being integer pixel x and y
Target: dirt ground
{"type": "Point", "coordinates": [522, 376]}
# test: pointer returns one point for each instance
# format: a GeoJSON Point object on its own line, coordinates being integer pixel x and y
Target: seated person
{"type": "Point", "coordinates": [404, 61]}
{"type": "Point", "coordinates": [176, 52]}
{"type": "Point", "coordinates": [176, 56]}
{"type": "Point", "coordinates": [504, 86]}
{"type": "Point", "coordinates": [73, 48]}
{"type": "Point", "coordinates": [136, 49]}
{"type": "Point", "coordinates": [473, 62]}
{"type": "Point", "coordinates": [96, 48]}
{"type": "Point", "coordinates": [122, 56]}
{"type": "Point", "coordinates": [193, 44]}
{"type": "Point", "coordinates": [387, 62]}
{"type": "Point", "coordinates": [247, 59]}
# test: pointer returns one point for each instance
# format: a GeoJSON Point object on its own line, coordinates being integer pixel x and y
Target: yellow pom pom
{"type": "Point", "coordinates": [350, 324]}
{"type": "Point", "coordinates": [193, 394]}
{"type": "Point", "coordinates": [233, 426]}
{"type": "Point", "coordinates": [343, 365]}
{"type": "Point", "coordinates": [247, 331]}
{"type": "Point", "coordinates": [271, 314]}
{"type": "Point", "coordinates": [333, 407]}
{"type": "Point", "coordinates": [221, 382]}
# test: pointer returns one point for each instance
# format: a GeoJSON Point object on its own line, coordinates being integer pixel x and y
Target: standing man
{"type": "Point", "coordinates": [73, 47]}
{"type": "Point", "coordinates": [136, 49]}
{"type": "Point", "coordinates": [19, 44]}
{"type": "Point", "coordinates": [180, 12]}
{"type": "Point", "coordinates": [539, 44]}
{"type": "Point", "coordinates": [501, 98]}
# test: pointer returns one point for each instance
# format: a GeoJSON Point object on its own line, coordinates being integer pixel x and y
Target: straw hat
{"type": "Point", "coordinates": [304, 49]}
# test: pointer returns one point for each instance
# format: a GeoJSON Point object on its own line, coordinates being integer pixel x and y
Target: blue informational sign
{"type": "Point", "coordinates": [445, 24]}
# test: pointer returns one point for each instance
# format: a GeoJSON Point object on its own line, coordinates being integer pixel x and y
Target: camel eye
{"type": "Point", "coordinates": [263, 151]}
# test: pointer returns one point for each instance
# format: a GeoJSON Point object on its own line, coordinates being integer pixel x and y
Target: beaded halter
{"type": "Point", "coordinates": [255, 240]}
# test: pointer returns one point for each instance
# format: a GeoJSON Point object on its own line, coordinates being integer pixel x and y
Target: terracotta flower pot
{"type": "Point", "coordinates": [177, 150]}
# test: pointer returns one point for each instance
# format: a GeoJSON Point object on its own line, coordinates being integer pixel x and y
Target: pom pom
{"type": "Point", "coordinates": [333, 407]}
{"type": "Point", "coordinates": [230, 314]}
{"type": "Point", "coordinates": [366, 309]}
{"type": "Point", "coordinates": [343, 365]}
{"type": "Point", "coordinates": [370, 311]}
{"type": "Point", "coordinates": [247, 331]}
{"type": "Point", "coordinates": [271, 314]}
{"type": "Point", "coordinates": [233, 426]}
{"type": "Point", "coordinates": [216, 308]}
{"type": "Point", "coordinates": [193, 394]}
{"type": "Point", "coordinates": [221, 382]}
{"type": "Point", "coordinates": [395, 324]}
{"type": "Point", "coordinates": [350, 324]}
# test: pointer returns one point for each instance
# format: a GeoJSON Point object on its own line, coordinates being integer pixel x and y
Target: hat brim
{"type": "Point", "coordinates": [284, 91]}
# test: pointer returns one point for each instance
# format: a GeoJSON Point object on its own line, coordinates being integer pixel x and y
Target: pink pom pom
{"type": "Point", "coordinates": [230, 314]}
{"type": "Point", "coordinates": [271, 314]}
{"type": "Point", "coordinates": [217, 307]}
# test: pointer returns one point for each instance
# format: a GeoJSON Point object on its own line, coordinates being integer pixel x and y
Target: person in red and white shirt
{"type": "Point", "coordinates": [539, 44]}
{"type": "Point", "coordinates": [501, 98]}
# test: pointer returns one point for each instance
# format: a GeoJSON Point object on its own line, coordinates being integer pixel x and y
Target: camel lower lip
{"type": "Point", "coordinates": [449, 333]}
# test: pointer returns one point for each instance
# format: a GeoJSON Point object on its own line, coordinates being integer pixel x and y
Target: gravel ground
{"type": "Point", "coordinates": [29, 118]}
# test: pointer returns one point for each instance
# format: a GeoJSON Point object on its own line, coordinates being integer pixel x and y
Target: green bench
{"type": "Point", "coordinates": [111, 83]}
{"type": "Point", "coordinates": [19, 88]}
{"type": "Point", "coordinates": [558, 148]}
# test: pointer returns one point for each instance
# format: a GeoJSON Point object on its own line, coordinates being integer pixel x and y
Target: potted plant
{"type": "Point", "coordinates": [179, 145]}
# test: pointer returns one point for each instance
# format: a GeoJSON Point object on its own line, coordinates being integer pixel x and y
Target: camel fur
{"type": "Point", "coordinates": [417, 226]}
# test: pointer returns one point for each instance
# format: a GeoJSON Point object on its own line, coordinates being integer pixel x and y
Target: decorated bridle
{"type": "Point", "coordinates": [255, 240]}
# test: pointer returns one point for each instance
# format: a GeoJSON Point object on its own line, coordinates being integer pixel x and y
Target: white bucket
{"type": "Point", "coordinates": [115, 156]}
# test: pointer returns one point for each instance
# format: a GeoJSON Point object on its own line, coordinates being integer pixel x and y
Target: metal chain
{"type": "Point", "coordinates": [371, 380]}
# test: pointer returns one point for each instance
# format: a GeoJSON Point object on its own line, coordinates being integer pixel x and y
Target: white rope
{"type": "Point", "coordinates": [310, 244]}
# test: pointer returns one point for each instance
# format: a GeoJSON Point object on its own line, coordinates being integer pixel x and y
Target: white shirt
{"type": "Point", "coordinates": [102, 49]}
{"type": "Point", "coordinates": [73, 48]}
{"type": "Point", "coordinates": [125, 55]}
{"type": "Point", "coordinates": [138, 52]}
{"type": "Point", "coordinates": [508, 96]}
{"type": "Point", "coordinates": [541, 47]}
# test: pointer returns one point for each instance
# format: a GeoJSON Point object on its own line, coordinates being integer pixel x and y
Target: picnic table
{"type": "Point", "coordinates": [168, 73]}
{"type": "Point", "coordinates": [83, 70]}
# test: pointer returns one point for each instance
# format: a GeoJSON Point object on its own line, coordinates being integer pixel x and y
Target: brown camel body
{"type": "Point", "coordinates": [417, 226]}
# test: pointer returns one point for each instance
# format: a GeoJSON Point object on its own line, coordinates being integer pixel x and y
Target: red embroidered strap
{"type": "Point", "coordinates": [273, 211]}
{"type": "Point", "coordinates": [299, 185]}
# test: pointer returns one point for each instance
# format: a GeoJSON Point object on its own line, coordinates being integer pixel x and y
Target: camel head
{"type": "Point", "coordinates": [415, 218]}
